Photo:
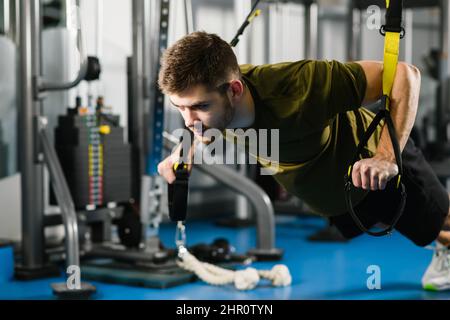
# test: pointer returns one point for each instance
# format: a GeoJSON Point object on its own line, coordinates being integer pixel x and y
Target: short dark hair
{"type": "Point", "coordinates": [199, 58]}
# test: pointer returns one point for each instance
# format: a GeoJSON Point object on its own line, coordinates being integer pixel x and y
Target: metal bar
{"type": "Point", "coordinates": [267, 26]}
{"type": "Point", "coordinates": [64, 199]}
{"type": "Point", "coordinates": [136, 110]}
{"type": "Point", "coordinates": [243, 211]}
{"type": "Point", "coordinates": [311, 30]}
{"type": "Point", "coordinates": [408, 52]}
{"type": "Point", "coordinates": [36, 62]}
{"type": "Point", "coordinates": [6, 17]}
{"type": "Point", "coordinates": [16, 20]}
{"type": "Point", "coordinates": [353, 33]}
{"type": "Point", "coordinates": [32, 205]}
{"type": "Point", "coordinates": [36, 38]}
{"type": "Point", "coordinates": [99, 31]}
{"type": "Point", "coordinates": [146, 48]}
{"type": "Point", "coordinates": [349, 32]}
{"type": "Point", "coordinates": [442, 110]}
{"type": "Point", "coordinates": [146, 184]}
{"type": "Point", "coordinates": [189, 16]}
{"type": "Point", "coordinates": [241, 10]}
{"type": "Point", "coordinates": [156, 114]}
{"type": "Point", "coordinates": [68, 22]}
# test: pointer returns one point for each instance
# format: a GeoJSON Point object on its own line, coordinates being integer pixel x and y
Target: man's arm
{"type": "Point", "coordinates": [374, 173]}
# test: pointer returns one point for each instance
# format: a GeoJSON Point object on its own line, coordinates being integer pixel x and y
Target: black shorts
{"type": "Point", "coordinates": [427, 203]}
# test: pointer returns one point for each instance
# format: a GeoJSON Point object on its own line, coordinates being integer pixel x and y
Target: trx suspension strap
{"type": "Point", "coordinates": [393, 32]}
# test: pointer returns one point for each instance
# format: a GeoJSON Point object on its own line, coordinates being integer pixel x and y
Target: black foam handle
{"type": "Point", "coordinates": [178, 194]}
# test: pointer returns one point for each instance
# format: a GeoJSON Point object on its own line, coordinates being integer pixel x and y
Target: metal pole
{"type": "Point", "coordinates": [32, 205]}
{"type": "Point", "coordinates": [65, 202]}
{"type": "Point", "coordinates": [145, 53]}
{"type": "Point", "coordinates": [189, 16]}
{"type": "Point", "coordinates": [442, 112]}
{"type": "Point", "coordinates": [5, 8]}
{"type": "Point", "coordinates": [311, 30]}
{"type": "Point", "coordinates": [241, 9]}
{"type": "Point", "coordinates": [16, 21]}
{"type": "Point", "coordinates": [99, 31]}
{"type": "Point", "coordinates": [409, 39]}
{"type": "Point", "coordinates": [267, 27]}
{"type": "Point", "coordinates": [136, 115]}
{"type": "Point", "coordinates": [353, 32]}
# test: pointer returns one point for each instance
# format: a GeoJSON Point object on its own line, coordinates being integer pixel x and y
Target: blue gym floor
{"type": "Point", "coordinates": [319, 270]}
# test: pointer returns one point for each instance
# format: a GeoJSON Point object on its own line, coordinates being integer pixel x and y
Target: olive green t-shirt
{"type": "Point", "coordinates": [316, 105]}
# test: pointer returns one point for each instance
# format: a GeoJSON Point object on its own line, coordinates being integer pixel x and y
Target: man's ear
{"type": "Point", "coordinates": [237, 89]}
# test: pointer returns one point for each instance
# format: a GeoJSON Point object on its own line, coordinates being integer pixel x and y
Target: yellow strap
{"type": "Point", "coordinates": [391, 50]}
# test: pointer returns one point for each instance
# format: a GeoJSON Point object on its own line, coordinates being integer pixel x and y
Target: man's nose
{"type": "Point", "coordinates": [190, 118]}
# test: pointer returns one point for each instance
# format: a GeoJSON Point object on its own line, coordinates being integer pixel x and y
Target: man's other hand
{"type": "Point", "coordinates": [374, 173]}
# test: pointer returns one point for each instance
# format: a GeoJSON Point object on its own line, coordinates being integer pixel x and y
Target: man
{"type": "Point", "coordinates": [316, 105]}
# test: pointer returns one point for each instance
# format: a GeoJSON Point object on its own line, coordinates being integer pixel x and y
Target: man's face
{"type": "Point", "coordinates": [211, 109]}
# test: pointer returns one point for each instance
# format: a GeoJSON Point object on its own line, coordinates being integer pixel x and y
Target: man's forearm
{"type": "Point", "coordinates": [403, 105]}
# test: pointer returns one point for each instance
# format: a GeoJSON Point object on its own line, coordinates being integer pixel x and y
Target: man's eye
{"type": "Point", "coordinates": [202, 106]}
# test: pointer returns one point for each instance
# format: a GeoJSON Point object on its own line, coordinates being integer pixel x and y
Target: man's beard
{"type": "Point", "coordinates": [228, 115]}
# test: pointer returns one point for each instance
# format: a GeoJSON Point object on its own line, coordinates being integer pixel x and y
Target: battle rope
{"type": "Point", "coordinates": [246, 279]}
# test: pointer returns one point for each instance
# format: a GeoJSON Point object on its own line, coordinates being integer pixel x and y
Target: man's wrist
{"type": "Point", "coordinates": [386, 156]}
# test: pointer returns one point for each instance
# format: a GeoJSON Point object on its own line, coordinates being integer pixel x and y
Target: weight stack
{"type": "Point", "coordinates": [95, 159]}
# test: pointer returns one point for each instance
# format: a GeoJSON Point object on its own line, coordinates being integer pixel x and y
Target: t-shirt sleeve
{"type": "Point", "coordinates": [330, 87]}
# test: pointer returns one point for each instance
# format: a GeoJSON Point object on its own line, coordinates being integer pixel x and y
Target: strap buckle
{"type": "Point", "coordinates": [385, 28]}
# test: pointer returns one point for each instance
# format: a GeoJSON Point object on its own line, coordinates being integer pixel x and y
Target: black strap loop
{"type": "Point", "coordinates": [382, 114]}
